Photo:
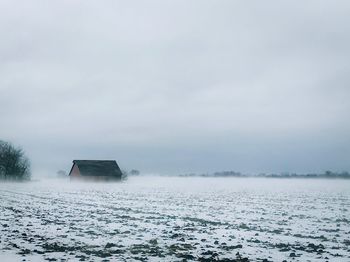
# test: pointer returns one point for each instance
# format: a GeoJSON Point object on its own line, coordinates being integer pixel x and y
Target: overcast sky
{"type": "Point", "coordinates": [178, 86]}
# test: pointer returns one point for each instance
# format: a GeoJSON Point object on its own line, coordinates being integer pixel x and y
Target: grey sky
{"type": "Point", "coordinates": [177, 86]}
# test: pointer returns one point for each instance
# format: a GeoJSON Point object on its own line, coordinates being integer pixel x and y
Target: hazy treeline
{"type": "Point", "coordinates": [14, 165]}
{"type": "Point", "coordinates": [132, 172]}
{"type": "Point", "coordinates": [327, 174]}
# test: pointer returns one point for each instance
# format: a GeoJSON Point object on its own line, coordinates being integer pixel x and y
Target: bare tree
{"type": "Point", "coordinates": [14, 165]}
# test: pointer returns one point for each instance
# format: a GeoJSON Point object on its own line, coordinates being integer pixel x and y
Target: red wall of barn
{"type": "Point", "coordinates": [75, 171]}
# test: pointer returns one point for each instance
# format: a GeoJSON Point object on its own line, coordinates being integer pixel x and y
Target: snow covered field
{"type": "Point", "coordinates": [172, 219]}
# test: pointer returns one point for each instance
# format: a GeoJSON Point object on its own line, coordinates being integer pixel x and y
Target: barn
{"type": "Point", "coordinates": [103, 170]}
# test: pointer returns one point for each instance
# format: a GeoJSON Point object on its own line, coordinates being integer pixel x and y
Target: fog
{"type": "Point", "coordinates": [177, 86]}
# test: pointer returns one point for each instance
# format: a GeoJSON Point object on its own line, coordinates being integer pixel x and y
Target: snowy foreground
{"type": "Point", "coordinates": [176, 219]}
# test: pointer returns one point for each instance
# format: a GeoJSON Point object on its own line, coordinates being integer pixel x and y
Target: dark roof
{"type": "Point", "coordinates": [108, 168]}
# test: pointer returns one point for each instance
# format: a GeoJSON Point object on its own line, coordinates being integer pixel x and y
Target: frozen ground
{"type": "Point", "coordinates": [176, 219]}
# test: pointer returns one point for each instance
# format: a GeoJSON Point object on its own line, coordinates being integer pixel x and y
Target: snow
{"type": "Point", "coordinates": [167, 218]}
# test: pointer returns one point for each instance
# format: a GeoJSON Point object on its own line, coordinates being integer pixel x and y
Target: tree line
{"type": "Point", "coordinates": [326, 174]}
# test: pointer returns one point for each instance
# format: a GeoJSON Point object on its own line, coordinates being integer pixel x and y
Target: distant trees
{"type": "Point", "coordinates": [14, 165]}
{"type": "Point", "coordinates": [133, 172]}
{"type": "Point", "coordinates": [62, 174]}
{"type": "Point", "coordinates": [327, 174]}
